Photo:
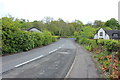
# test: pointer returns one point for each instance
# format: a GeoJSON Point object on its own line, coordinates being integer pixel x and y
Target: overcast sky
{"type": "Point", "coordinates": [68, 10]}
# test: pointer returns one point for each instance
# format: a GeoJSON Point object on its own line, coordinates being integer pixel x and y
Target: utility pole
{"type": "Point", "coordinates": [119, 12]}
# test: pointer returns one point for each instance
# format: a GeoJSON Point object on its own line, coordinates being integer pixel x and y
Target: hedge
{"type": "Point", "coordinates": [14, 40]}
{"type": "Point", "coordinates": [110, 45]}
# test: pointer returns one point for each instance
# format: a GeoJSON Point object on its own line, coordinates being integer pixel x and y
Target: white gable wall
{"type": "Point", "coordinates": [101, 30]}
{"type": "Point", "coordinates": [107, 36]}
{"type": "Point", "coordinates": [104, 35]}
{"type": "Point", "coordinates": [96, 36]}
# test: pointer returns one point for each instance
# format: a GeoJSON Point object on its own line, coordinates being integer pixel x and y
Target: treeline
{"type": "Point", "coordinates": [61, 28]}
{"type": "Point", "coordinates": [13, 37]}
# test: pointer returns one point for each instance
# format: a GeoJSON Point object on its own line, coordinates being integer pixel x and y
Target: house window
{"type": "Point", "coordinates": [101, 33]}
{"type": "Point", "coordinates": [115, 35]}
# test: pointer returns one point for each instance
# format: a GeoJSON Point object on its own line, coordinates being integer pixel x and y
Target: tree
{"type": "Point", "coordinates": [47, 19]}
{"type": "Point", "coordinates": [88, 24]}
{"type": "Point", "coordinates": [0, 31]}
{"type": "Point", "coordinates": [7, 22]}
{"type": "Point", "coordinates": [0, 24]}
{"type": "Point", "coordinates": [77, 35]}
{"type": "Point", "coordinates": [53, 28]}
{"type": "Point", "coordinates": [112, 23]}
{"type": "Point", "coordinates": [98, 23]}
{"type": "Point", "coordinates": [77, 25]}
{"type": "Point", "coordinates": [106, 28]}
{"type": "Point", "coordinates": [87, 32]}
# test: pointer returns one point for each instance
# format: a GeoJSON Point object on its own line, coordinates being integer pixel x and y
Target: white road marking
{"type": "Point", "coordinates": [53, 50]}
{"type": "Point", "coordinates": [28, 61]}
{"type": "Point", "coordinates": [64, 53]}
{"type": "Point", "coordinates": [36, 58]}
{"type": "Point", "coordinates": [56, 49]}
{"type": "Point", "coordinates": [71, 68]}
{"type": "Point", "coordinates": [60, 47]}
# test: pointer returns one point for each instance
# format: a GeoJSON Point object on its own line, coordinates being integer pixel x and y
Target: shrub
{"type": "Point", "coordinates": [14, 40]}
{"type": "Point", "coordinates": [109, 45]}
{"type": "Point", "coordinates": [47, 38]}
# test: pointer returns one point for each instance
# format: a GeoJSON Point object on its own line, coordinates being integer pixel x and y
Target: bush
{"type": "Point", "coordinates": [54, 38]}
{"type": "Point", "coordinates": [14, 40]}
{"type": "Point", "coordinates": [38, 39]}
{"type": "Point", "coordinates": [47, 38]}
{"type": "Point", "coordinates": [109, 45]}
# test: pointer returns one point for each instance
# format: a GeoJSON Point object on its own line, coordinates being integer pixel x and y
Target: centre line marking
{"type": "Point", "coordinates": [60, 47]}
{"type": "Point", "coordinates": [28, 61]}
{"type": "Point", "coordinates": [53, 50]}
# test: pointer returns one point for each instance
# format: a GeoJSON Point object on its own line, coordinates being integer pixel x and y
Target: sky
{"type": "Point", "coordinates": [69, 10]}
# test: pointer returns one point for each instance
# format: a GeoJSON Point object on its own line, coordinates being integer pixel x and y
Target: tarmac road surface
{"type": "Point", "coordinates": [52, 61]}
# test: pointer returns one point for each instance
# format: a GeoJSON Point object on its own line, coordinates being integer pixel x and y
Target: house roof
{"type": "Point", "coordinates": [110, 32]}
{"type": "Point", "coordinates": [27, 29]}
{"type": "Point", "coordinates": [31, 28]}
{"type": "Point", "coordinates": [98, 30]}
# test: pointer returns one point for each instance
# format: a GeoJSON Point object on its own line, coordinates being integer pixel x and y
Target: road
{"type": "Point", "coordinates": [52, 61]}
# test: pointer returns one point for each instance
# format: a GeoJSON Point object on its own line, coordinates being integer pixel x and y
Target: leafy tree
{"type": "Point", "coordinates": [0, 35]}
{"type": "Point", "coordinates": [77, 35]}
{"type": "Point", "coordinates": [88, 24]}
{"type": "Point", "coordinates": [98, 23]}
{"type": "Point", "coordinates": [112, 23]}
{"type": "Point", "coordinates": [106, 28]}
{"type": "Point", "coordinates": [71, 29]}
{"type": "Point", "coordinates": [77, 25]}
{"type": "Point", "coordinates": [0, 25]}
{"type": "Point", "coordinates": [47, 19]}
{"type": "Point", "coordinates": [87, 32]}
{"type": "Point", "coordinates": [38, 24]}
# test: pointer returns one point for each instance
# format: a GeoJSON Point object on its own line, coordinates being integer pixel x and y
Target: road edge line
{"type": "Point", "coordinates": [67, 76]}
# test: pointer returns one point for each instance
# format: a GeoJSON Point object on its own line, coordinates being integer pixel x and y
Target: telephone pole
{"type": "Point", "coordinates": [119, 12]}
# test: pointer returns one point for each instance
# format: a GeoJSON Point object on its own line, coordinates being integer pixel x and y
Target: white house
{"type": "Point", "coordinates": [108, 34]}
